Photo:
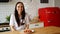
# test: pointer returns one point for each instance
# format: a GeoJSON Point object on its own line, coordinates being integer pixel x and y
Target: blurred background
{"type": "Point", "coordinates": [31, 7]}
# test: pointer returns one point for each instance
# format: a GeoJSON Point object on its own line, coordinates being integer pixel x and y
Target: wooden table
{"type": "Point", "coordinates": [45, 30]}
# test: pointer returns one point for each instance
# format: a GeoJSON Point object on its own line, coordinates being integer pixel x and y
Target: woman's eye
{"type": "Point", "coordinates": [18, 6]}
{"type": "Point", "coordinates": [21, 6]}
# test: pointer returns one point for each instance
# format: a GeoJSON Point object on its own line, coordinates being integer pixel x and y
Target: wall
{"type": "Point", "coordinates": [6, 9]}
{"type": "Point", "coordinates": [31, 7]}
{"type": "Point", "coordinates": [57, 3]}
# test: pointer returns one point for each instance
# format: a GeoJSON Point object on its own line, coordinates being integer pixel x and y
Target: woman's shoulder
{"type": "Point", "coordinates": [27, 14]}
{"type": "Point", "coordinates": [12, 15]}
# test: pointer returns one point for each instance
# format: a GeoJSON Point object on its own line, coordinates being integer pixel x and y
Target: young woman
{"type": "Point", "coordinates": [19, 20]}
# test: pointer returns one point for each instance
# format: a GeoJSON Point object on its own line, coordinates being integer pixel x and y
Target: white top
{"type": "Point", "coordinates": [14, 23]}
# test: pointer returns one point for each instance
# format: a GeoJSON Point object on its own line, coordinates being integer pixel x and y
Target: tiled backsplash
{"type": "Point", "coordinates": [5, 10]}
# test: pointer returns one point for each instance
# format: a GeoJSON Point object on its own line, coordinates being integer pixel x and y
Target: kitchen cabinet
{"type": "Point", "coordinates": [50, 16]}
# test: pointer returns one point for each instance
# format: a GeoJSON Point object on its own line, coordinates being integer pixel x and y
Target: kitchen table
{"type": "Point", "coordinates": [43, 30]}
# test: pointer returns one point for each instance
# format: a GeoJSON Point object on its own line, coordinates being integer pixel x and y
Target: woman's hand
{"type": "Point", "coordinates": [27, 31]}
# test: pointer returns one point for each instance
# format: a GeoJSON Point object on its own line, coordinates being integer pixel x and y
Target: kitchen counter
{"type": "Point", "coordinates": [43, 30]}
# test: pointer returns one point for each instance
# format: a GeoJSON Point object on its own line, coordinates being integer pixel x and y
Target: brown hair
{"type": "Point", "coordinates": [16, 14]}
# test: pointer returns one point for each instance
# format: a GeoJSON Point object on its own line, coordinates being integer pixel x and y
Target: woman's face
{"type": "Point", "coordinates": [19, 8]}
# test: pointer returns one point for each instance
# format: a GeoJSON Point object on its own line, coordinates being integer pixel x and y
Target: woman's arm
{"type": "Point", "coordinates": [12, 28]}
{"type": "Point", "coordinates": [12, 22]}
{"type": "Point", "coordinates": [27, 18]}
{"type": "Point", "coordinates": [27, 26]}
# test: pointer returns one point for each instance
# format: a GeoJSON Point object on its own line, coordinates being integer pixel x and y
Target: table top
{"type": "Point", "coordinates": [43, 30]}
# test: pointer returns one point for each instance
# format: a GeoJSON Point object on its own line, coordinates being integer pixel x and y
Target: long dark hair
{"type": "Point", "coordinates": [22, 13]}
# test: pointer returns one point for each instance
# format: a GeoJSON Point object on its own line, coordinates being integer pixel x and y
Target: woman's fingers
{"type": "Point", "coordinates": [28, 30]}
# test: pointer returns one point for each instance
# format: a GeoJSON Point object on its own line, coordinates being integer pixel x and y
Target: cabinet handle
{"type": "Point", "coordinates": [48, 12]}
{"type": "Point", "coordinates": [49, 21]}
{"type": "Point", "coordinates": [36, 24]}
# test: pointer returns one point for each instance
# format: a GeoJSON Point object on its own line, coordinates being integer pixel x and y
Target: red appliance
{"type": "Point", "coordinates": [50, 16]}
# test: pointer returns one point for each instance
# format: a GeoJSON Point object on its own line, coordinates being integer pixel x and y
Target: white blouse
{"type": "Point", "coordinates": [14, 23]}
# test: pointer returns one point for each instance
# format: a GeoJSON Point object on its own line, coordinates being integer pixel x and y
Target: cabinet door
{"type": "Point", "coordinates": [53, 17]}
{"type": "Point", "coordinates": [50, 16]}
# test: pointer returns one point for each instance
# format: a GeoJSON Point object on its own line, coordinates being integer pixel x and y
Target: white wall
{"type": "Point", "coordinates": [30, 6]}
{"type": "Point", "coordinates": [6, 9]}
{"type": "Point", "coordinates": [57, 3]}
{"type": "Point", "coordinates": [34, 5]}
